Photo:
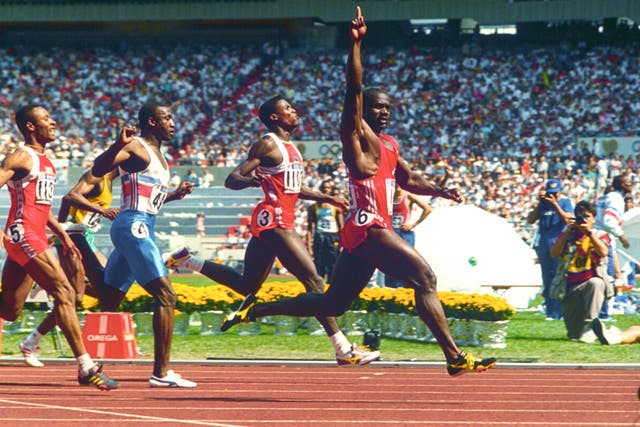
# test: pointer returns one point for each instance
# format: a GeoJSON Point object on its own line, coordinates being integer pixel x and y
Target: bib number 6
{"type": "Point", "coordinates": [139, 229]}
{"type": "Point", "coordinates": [363, 217]}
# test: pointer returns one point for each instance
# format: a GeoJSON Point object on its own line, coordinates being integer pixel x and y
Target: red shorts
{"type": "Point", "coordinates": [353, 233]}
{"type": "Point", "coordinates": [265, 216]}
{"type": "Point", "coordinates": [31, 245]}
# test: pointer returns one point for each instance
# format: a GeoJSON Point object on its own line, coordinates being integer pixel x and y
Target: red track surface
{"type": "Point", "coordinates": [258, 395]}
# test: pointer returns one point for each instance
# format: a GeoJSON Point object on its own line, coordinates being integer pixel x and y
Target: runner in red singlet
{"type": "Point", "coordinates": [368, 239]}
{"type": "Point", "coordinates": [30, 177]}
{"type": "Point", "coordinates": [275, 164]}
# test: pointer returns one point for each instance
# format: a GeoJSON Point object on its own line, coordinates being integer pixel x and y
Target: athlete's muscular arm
{"type": "Point", "coordinates": [119, 152]}
{"type": "Point", "coordinates": [181, 192]}
{"type": "Point", "coordinates": [68, 246]}
{"type": "Point", "coordinates": [415, 183]}
{"type": "Point", "coordinates": [360, 147]}
{"type": "Point", "coordinates": [307, 193]}
{"type": "Point", "coordinates": [17, 164]}
{"type": "Point", "coordinates": [77, 197]}
{"type": "Point", "coordinates": [263, 153]}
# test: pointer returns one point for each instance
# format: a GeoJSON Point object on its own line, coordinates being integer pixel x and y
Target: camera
{"type": "Point", "coordinates": [581, 219]}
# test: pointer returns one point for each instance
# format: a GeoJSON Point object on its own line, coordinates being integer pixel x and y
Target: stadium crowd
{"type": "Point", "coordinates": [503, 120]}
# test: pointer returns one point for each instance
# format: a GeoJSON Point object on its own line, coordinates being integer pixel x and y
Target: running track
{"type": "Point", "coordinates": [319, 394]}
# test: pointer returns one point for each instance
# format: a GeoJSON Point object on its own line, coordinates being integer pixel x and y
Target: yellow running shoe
{"type": "Point", "coordinates": [467, 363]}
{"type": "Point", "coordinates": [241, 315]}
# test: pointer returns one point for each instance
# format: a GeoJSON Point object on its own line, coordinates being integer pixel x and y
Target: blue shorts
{"type": "Point", "coordinates": [136, 256]}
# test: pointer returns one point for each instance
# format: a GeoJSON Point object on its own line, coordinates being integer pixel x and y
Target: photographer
{"type": "Point", "coordinates": [553, 212]}
{"type": "Point", "coordinates": [585, 250]}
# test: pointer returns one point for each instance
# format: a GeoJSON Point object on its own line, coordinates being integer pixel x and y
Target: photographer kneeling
{"type": "Point", "coordinates": [583, 251]}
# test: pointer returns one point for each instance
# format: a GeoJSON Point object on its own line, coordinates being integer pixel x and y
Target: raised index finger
{"type": "Point", "coordinates": [358, 12]}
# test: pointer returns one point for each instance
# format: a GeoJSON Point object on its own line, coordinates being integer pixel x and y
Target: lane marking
{"type": "Point", "coordinates": [119, 414]}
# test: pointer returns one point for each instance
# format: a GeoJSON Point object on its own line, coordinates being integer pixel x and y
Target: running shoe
{"type": "Point", "coordinates": [176, 257]}
{"type": "Point", "coordinates": [357, 356]}
{"type": "Point", "coordinates": [30, 355]}
{"type": "Point", "coordinates": [466, 362]}
{"type": "Point", "coordinates": [172, 379]}
{"type": "Point", "coordinates": [96, 377]}
{"type": "Point", "coordinates": [241, 315]}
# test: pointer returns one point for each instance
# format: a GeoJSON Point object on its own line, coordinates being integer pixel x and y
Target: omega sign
{"type": "Point", "coordinates": [107, 337]}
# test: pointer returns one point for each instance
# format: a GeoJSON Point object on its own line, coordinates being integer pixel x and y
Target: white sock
{"type": "Point", "coordinates": [33, 340]}
{"type": "Point", "coordinates": [192, 263]}
{"type": "Point", "coordinates": [340, 343]}
{"type": "Point", "coordinates": [85, 362]}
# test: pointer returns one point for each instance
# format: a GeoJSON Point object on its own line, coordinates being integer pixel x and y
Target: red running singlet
{"type": "Point", "coordinates": [281, 190]}
{"type": "Point", "coordinates": [371, 199]}
{"type": "Point", "coordinates": [31, 199]}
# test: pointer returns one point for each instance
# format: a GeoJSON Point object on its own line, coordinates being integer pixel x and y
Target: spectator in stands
{"type": "Point", "coordinates": [200, 227]}
{"type": "Point", "coordinates": [192, 177]}
{"type": "Point", "coordinates": [207, 178]}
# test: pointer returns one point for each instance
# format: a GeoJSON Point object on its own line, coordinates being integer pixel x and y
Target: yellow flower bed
{"type": "Point", "coordinates": [401, 300]}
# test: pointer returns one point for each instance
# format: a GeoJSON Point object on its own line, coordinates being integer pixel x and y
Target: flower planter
{"type": "Point", "coordinates": [286, 325]}
{"type": "Point", "coordinates": [463, 331]}
{"type": "Point", "coordinates": [143, 324]}
{"type": "Point", "coordinates": [491, 334]}
{"type": "Point", "coordinates": [354, 322]}
{"type": "Point", "coordinates": [312, 325]}
{"type": "Point", "coordinates": [392, 324]}
{"type": "Point", "coordinates": [210, 322]}
{"type": "Point", "coordinates": [250, 328]}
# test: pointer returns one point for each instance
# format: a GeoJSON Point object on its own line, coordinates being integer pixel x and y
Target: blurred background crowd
{"type": "Point", "coordinates": [504, 119]}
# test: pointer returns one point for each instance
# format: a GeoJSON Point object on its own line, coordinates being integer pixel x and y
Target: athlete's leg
{"type": "Point", "coordinates": [164, 299]}
{"type": "Point", "coordinates": [45, 269]}
{"type": "Point", "coordinates": [16, 285]}
{"type": "Point", "coordinates": [395, 257]}
{"type": "Point", "coordinates": [350, 276]}
{"type": "Point", "coordinates": [295, 257]}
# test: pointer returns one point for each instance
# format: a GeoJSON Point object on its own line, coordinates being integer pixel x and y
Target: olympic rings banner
{"type": "Point", "coordinates": [606, 145]}
{"type": "Point", "coordinates": [320, 149]}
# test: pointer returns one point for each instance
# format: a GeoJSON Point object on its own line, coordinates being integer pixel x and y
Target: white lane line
{"type": "Point", "coordinates": [119, 414]}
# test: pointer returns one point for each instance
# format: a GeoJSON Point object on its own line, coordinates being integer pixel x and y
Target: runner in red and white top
{"type": "Point", "coordinates": [31, 177]}
{"type": "Point", "coordinates": [275, 164]}
{"type": "Point", "coordinates": [374, 169]}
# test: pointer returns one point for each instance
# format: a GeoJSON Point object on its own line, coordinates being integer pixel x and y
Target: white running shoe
{"type": "Point", "coordinates": [357, 356]}
{"type": "Point", "coordinates": [176, 258]}
{"type": "Point", "coordinates": [30, 355]}
{"type": "Point", "coordinates": [172, 379]}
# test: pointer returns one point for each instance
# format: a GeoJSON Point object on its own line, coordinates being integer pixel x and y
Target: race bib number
{"type": "Point", "coordinates": [16, 232]}
{"type": "Point", "coordinates": [293, 180]}
{"type": "Point", "coordinates": [396, 221]}
{"type": "Point", "coordinates": [265, 218]}
{"type": "Point", "coordinates": [363, 217]}
{"type": "Point", "coordinates": [157, 198]}
{"type": "Point", "coordinates": [140, 230]}
{"type": "Point", "coordinates": [92, 219]}
{"type": "Point", "coordinates": [44, 188]}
